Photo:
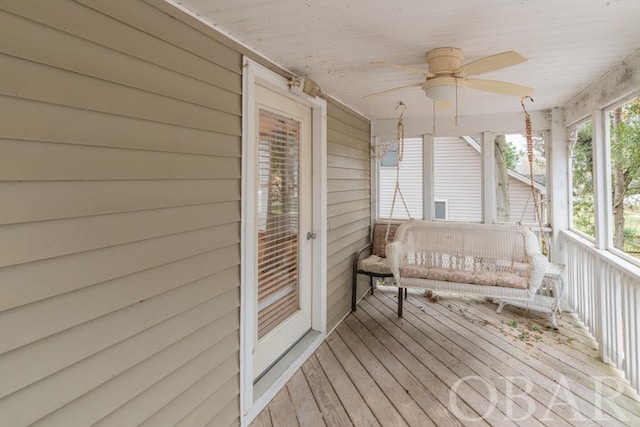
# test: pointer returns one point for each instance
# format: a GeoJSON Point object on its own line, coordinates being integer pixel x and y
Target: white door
{"type": "Point", "coordinates": [283, 221]}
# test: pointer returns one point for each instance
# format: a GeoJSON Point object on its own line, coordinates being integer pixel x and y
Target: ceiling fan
{"type": "Point", "coordinates": [446, 74]}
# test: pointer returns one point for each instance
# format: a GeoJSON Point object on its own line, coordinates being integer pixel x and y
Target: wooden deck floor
{"type": "Point", "coordinates": [453, 362]}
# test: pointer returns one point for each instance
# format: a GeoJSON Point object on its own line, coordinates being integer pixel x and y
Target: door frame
{"type": "Point", "coordinates": [250, 402]}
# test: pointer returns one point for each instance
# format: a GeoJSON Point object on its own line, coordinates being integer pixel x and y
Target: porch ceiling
{"type": "Point", "coordinates": [569, 44]}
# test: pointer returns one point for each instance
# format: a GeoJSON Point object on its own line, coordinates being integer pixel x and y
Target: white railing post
{"type": "Point", "coordinates": [604, 291]}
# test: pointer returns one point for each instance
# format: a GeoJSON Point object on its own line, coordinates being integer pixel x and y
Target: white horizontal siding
{"type": "Point", "coordinates": [120, 172]}
{"type": "Point", "coordinates": [521, 202]}
{"type": "Point", "coordinates": [410, 184]}
{"type": "Point", "coordinates": [458, 178]}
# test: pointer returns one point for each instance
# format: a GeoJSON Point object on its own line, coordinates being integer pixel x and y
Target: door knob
{"type": "Point", "coordinates": [310, 235]}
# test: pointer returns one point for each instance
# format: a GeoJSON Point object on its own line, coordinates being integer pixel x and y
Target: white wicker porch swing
{"type": "Point", "coordinates": [499, 261]}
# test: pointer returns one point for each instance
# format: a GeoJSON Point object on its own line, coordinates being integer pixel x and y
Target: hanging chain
{"type": "Point", "coordinates": [433, 130]}
{"type": "Point", "coordinates": [396, 190]}
{"type": "Point", "coordinates": [456, 102]}
{"type": "Point", "coordinates": [400, 133]}
{"type": "Point", "coordinates": [530, 156]}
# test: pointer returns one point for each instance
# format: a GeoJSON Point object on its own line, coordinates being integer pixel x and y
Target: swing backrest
{"type": "Point", "coordinates": [378, 243]}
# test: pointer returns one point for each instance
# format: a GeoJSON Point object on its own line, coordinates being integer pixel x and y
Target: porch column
{"type": "Point", "coordinates": [601, 178]}
{"type": "Point", "coordinates": [602, 208]}
{"type": "Point", "coordinates": [488, 177]}
{"type": "Point", "coordinates": [373, 184]}
{"type": "Point", "coordinates": [558, 190]}
{"type": "Point", "coordinates": [428, 192]}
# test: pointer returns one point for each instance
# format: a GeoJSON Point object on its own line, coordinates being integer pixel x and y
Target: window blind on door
{"type": "Point", "coordinates": [278, 174]}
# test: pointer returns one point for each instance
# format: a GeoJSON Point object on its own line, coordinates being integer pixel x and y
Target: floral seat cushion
{"type": "Point", "coordinates": [488, 278]}
{"type": "Point", "coordinates": [375, 264]}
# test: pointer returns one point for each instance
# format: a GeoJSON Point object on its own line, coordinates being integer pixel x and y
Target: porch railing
{"type": "Point", "coordinates": [604, 291]}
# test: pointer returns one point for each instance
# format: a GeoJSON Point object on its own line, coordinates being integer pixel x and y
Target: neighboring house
{"type": "Point", "coordinates": [457, 183]}
{"type": "Point", "coordinates": [410, 181]}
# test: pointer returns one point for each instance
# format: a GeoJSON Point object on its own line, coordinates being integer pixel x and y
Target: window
{"type": "Point", "coordinates": [513, 202]}
{"type": "Point", "coordinates": [410, 181]}
{"type": "Point", "coordinates": [583, 213]}
{"type": "Point", "coordinates": [441, 209]}
{"type": "Point", "coordinates": [390, 159]}
{"type": "Point", "coordinates": [624, 143]}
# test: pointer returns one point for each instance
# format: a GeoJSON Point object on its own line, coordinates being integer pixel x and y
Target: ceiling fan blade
{"type": "Point", "coordinates": [490, 63]}
{"type": "Point", "coordinates": [443, 104]}
{"type": "Point", "coordinates": [502, 88]}
{"type": "Point", "coordinates": [393, 89]}
{"type": "Point", "coordinates": [403, 68]}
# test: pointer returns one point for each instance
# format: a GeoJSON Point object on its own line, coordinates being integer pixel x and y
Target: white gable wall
{"type": "Point", "coordinates": [519, 194]}
{"type": "Point", "coordinates": [458, 181]}
{"type": "Point", "coordinates": [410, 183]}
{"type": "Point", "coordinates": [458, 178]}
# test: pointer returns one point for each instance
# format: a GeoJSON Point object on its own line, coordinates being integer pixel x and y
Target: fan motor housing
{"type": "Point", "coordinates": [444, 60]}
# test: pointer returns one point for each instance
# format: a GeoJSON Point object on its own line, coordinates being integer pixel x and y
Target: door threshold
{"type": "Point", "coordinates": [277, 376]}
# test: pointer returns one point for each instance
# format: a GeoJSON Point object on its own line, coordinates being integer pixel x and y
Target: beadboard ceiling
{"type": "Point", "coordinates": [569, 44]}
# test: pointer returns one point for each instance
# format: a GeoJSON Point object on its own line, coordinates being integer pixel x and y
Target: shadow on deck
{"type": "Point", "coordinates": [453, 361]}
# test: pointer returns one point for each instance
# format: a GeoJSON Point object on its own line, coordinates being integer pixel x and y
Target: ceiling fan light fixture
{"type": "Point", "coordinates": [440, 89]}
{"type": "Point", "coordinates": [441, 92]}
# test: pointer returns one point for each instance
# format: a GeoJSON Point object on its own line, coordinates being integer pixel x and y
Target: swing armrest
{"type": "Point", "coordinates": [393, 251]}
{"type": "Point", "coordinates": [539, 262]}
{"type": "Point", "coordinates": [359, 255]}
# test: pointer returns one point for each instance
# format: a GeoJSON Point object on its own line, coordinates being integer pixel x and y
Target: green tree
{"type": "Point", "coordinates": [504, 154]}
{"type": "Point", "coordinates": [625, 170]}
{"type": "Point", "coordinates": [582, 173]}
{"type": "Point", "coordinates": [512, 156]}
{"type": "Point", "coordinates": [625, 163]}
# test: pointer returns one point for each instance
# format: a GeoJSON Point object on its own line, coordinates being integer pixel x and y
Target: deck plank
{"type": "Point", "coordinates": [490, 365]}
{"type": "Point", "coordinates": [283, 414]}
{"type": "Point", "coordinates": [326, 398]}
{"type": "Point", "coordinates": [571, 332]}
{"type": "Point", "coordinates": [575, 352]}
{"type": "Point", "coordinates": [521, 360]}
{"type": "Point", "coordinates": [420, 394]}
{"type": "Point", "coordinates": [303, 401]}
{"type": "Point", "coordinates": [395, 393]}
{"type": "Point", "coordinates": [377, 369]}
{"type": "Point", "coordinates": [263, 419]}
{"type": "Point", "coordinates": [446, 365]}
{"type": "Point", "coordinates": [568, 392]}
{"type": "Point", "coordinates": [427, 378]}
{"type": "Point", "coordinates": [558, 346]}
{"type": "Point", "coordinates": [359, 412]}
{"type": "Point", "coordinates": [569, 362]}
{"type": "Point", "coordinates": [369, 389]}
